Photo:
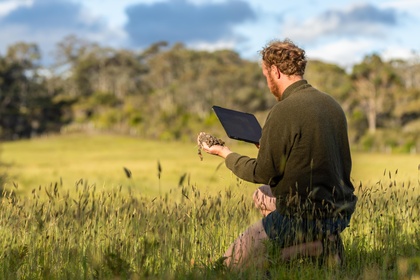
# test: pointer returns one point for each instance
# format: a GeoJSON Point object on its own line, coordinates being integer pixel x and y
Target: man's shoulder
{"type": "Point", "coordinates": [284, 109]}
{"type": "Point", "coordinates": [309, 93]}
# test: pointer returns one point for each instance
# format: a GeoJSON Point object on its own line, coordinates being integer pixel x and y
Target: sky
{"type": "Point", "coordinates": [342, 32]}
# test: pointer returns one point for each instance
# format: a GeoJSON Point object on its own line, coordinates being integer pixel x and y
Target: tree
{"type": "Point", "coordinates": [27, 105]}
{"type": "Point", "coordinates": [408, 99]}
{"type": "Point", "coordinates": [18, 84]}
{"type": "Point", "coordinates": [375, 82]}
{"type": "Point", "coordinates": [186, 83]}
{"type": "Point", "coordinates": [331, 79]}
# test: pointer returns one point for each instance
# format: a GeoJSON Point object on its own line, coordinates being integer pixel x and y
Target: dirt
{"type": "Point", "coordinates": [210, 140]}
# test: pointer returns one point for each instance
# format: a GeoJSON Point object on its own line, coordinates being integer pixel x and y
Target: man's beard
{"type": "Point", "coordinates": [274, 88]}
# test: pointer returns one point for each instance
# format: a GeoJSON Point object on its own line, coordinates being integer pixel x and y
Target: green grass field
{"type": "Point", "coordinates": [101, 160]}
{"type": "Point", "coordinates": [76, 214]}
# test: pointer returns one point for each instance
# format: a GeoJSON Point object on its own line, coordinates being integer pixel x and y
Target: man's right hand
{"type": "Point", "coordinates": [221, 151]}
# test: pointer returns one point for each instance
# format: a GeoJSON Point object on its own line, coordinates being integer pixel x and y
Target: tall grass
{"type": "Point", "coordinates": [97, 233]}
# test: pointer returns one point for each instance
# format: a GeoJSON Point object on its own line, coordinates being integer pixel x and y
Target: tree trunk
{"type": "Point", "coordinates": [372, 112]}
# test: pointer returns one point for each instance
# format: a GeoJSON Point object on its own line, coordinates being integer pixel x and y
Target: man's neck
{"type": "Point", "coordinates": [287, 81]}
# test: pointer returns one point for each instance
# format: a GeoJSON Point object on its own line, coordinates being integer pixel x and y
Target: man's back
{"type": "Point", "coordinates": [313, 152]}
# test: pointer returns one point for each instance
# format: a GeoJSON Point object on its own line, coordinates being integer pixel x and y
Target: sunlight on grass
{"type": "Point", "coordinates": [101, 160]}
{"type": "Point", "coordinates": [109, 207]}
{"type": "Point", "coordinates": [108, 234]}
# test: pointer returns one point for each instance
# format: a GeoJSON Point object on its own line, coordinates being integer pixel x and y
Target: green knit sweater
{"type": "Point", "coordinates": [304, 155]}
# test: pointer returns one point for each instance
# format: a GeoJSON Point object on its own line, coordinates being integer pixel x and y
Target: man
{"type": "Point", "coordinates": [304, 158]}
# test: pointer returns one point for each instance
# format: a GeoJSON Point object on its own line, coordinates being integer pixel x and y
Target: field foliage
{"type": "Point", "coordinates": [114, 227]}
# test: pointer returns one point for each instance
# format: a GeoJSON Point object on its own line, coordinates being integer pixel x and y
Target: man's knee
{"type": "Point", "coordinates": [266, 190]}
{"type": "Point", "coordinates": [262, 191]}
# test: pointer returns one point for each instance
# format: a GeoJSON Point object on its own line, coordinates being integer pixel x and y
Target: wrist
{"type": "Point", "coordinates": [224, 152]}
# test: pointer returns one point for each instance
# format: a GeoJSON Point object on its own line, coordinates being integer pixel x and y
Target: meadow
{"type": "Point", "coordinates": [112, 207]}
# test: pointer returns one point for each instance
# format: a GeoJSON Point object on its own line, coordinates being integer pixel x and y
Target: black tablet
{"type": "Point", "coordinates": [239, 125]}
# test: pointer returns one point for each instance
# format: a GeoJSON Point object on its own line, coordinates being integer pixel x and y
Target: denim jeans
{"type": "Point", "coordinates": [287, 231]}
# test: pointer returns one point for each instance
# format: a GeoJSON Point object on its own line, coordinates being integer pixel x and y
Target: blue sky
{"type": "Point", "coordinates": [336, 31]}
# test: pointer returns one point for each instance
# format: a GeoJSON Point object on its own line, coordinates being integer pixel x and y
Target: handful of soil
{"type": "Point", "coordinates": [210, 140]}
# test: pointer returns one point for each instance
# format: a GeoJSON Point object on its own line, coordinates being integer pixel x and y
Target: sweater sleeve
{"type": "Point", "coordinates": [266, 167]}
{"type": "Point", "coordinates": [243, 167]}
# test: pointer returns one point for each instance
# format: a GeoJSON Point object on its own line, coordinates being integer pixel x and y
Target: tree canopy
{"type": "Point", "coordinates": [166, 92]}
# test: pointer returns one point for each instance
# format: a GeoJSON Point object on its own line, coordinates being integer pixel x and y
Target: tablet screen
{"type": "Point", "coordinates": [239, 125]}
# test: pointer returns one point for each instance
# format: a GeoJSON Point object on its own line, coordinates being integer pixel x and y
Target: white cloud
{"type": "Point", "coordinates": [407, 5]}
{"type": "Point", "coordinates": [344, 52]}
{"type": "Point", "coordinates": [47, 41]}
{"type": "Point", "coordinates": [360, 20]}
{"type": "Point", "coordinates": [399, 52]}
{"type": "Point", "coordinates": [340, 32]}
{"type": "Point", "coordinates": [46, 31]}
{"type": "Point", "coordinates": [113, 11]}
{"type": "Point", "coordinates": [9, 5]}
{"type": "Point", "coordinates": [219, 45]}
{"type": "Point", "coordinates": [309, 30]}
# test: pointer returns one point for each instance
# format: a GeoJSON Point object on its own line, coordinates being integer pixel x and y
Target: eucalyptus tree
{"type": "Point", "coordinates": [186, 83]}
{"type": "Point", "coordinates": [331, 79]}
{"type": "Point", "coordinates": [195, 80]}
{"type": "Point", "coordinates": [99, 79]}
{"type": "Point", "coordinates": [375, 83]}
{"type": "Point", "coordinates": [408, 99]}
{"type": "Point", "coordinates": [20, 87]}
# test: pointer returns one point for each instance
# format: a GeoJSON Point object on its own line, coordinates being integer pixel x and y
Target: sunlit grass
{"type": "Point", "coordinates": [368, 167]}
{"type": "Point", "coordinates": [106, 234]}
{"type": "Point", "coordinates": [71, 212]}
{"type": "Point", "coordinates": [100, 160]}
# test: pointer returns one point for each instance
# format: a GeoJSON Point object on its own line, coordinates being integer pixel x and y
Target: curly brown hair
{"type": "Point", "coordinates": [286, 56]}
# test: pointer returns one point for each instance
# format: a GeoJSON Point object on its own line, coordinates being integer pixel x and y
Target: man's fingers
{"type": "Point", "coordinates": [205, 146]}
{"type": "Point", "coordinates": [214, 149]}
{"type": "Point", "coordinates": [198, 138]}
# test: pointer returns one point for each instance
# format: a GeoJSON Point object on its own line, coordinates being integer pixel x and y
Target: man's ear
{"type": "Point", "coordinates": [275, 70]}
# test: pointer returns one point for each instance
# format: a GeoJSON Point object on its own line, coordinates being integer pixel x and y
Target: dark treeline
{"type": "Point", "coordinates": [166, 92]}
